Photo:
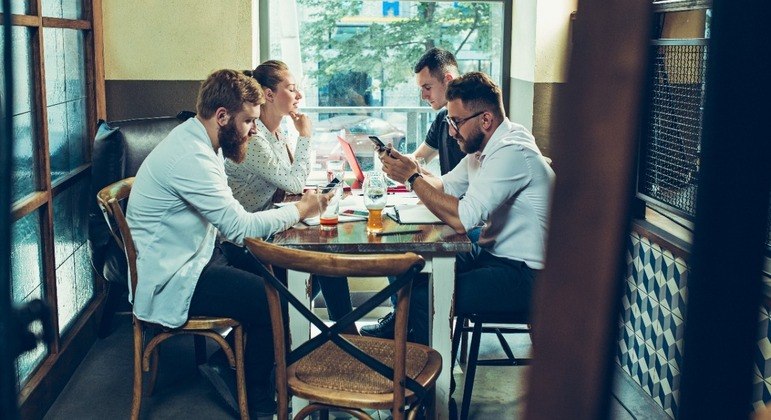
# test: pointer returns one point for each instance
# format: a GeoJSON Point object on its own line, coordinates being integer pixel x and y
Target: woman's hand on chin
{"type": "Point", "coordinates": [302, 123]}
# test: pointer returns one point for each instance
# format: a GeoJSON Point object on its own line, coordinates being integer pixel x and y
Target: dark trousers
{"type": "Point", "coordinates": [337, 294]}
{"type": "Point", "coordinates": [228, 288]}
{"type": "Point", "coordinates": [484, 283]}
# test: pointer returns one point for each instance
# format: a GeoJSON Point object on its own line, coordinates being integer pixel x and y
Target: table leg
{"type": "Point", "coordinates": [298, 284]}
{"type": "Point", "coordinates": [441, 326]}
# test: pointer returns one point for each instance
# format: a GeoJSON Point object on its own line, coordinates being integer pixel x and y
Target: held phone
{"type": "Point", "coordinates": [379, 143]}
{"type": "Point", "coordinates": [329, 186]}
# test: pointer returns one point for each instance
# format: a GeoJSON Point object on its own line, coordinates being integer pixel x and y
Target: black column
{"type": "Point", "coordinates": [724, 287]}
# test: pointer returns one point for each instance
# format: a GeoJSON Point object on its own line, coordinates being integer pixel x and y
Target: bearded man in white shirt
{"type": "Point", "coordinates": [179, 203]}
{"type": "Point", "coordinates": [503, 182]}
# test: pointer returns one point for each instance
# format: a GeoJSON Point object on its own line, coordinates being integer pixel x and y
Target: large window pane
{"type": "Point", "coordinates": [66, 98]}
{"type": "Point", "coordinates": [359, 55]}
{"type": "Point", "coordinates": [27, 279]}
{"type": "Point", "coordinates": [25, 166]}
{"type": "Point", "coordinates": [67, 9]}
{"type": "Point", "coordinates": [74, 278]}
{"type": "Point", "coordinates": [18, 7]}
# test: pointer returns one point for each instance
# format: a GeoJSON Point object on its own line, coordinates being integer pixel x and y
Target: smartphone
{"type": "Point", "coordinates": [329, 186]}
{"type": "Point", "coordinates": [351, 212]}
{"type": "Point", "coordinates": [379, 143]}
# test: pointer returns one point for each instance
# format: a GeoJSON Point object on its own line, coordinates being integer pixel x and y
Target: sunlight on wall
{"type": "Point", "coordinates": [177, 39]}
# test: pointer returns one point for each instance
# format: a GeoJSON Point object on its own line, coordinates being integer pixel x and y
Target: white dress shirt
{"type": "Point", "coordinates": [508, 186]}
{"type": "Point", "coordinates": [267, 167]}
{"type": "Point", "coordinates": [180, 199]}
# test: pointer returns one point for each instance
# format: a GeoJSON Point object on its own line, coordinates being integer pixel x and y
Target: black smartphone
{"type": "Point", "coordinates": [379, 143]}
{"type": "Point", "coordinates": [329, 186]}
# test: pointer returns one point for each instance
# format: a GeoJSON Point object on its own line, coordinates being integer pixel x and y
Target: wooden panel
{"type": "Point", "coordinates": [126, 99]}
{"type": "Point", "coordinates": [577, 296]}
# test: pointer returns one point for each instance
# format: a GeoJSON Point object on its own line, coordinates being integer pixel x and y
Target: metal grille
{"type": "Point", "coordinates": [669, 165]}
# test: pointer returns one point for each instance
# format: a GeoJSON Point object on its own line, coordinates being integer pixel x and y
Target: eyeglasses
{"type": "Point", "coordinates": [455, 124]}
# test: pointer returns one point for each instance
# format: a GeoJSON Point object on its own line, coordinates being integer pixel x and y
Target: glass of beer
{"type": "Point", "coordinates": [328, 218]}
{"type": "Point", "coordinates": [375, 197]}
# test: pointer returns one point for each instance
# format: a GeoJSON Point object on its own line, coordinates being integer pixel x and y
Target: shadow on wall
{"type": "Point", "coordinates": [129, 99]}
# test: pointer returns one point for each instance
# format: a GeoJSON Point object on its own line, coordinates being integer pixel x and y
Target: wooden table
{"type": "Point", "coordinates": [438, 244]}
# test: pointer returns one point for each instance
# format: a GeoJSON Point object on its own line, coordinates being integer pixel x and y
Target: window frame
{"type": "Point", "coordinates": [35, 394]}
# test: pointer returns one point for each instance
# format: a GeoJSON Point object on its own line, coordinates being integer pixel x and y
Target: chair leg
{"type": "Point", "coordinates": [153, 370]}
{"type": "Point", "coordinates": [136, 400]}
{"type": "Point", "coordinates": [471, 368]}
{"type": "Point", "coordinates": [243, 405]}
{"type": "Point", "coordinates": [464, 342]}
{"type": "Point", "coordinates": [456, 339]}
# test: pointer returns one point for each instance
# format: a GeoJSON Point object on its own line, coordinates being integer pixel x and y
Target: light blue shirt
{"type": "Point", "coordinates": [507, 186]}
{"type": "Point", "coordinates": [180, 199]}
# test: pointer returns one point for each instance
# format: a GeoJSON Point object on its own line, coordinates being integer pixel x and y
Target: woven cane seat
{"type": "Point", "coordinates": [330, 367]}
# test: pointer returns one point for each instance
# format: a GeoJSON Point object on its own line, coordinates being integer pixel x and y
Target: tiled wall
{"type": "Point", "coordinates": [650, 343]}
{"type": "Point", "coordinates": [651, 327]}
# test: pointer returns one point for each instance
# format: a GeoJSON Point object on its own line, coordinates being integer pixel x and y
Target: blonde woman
{"type": "Point", "coordinates": [271, 168]}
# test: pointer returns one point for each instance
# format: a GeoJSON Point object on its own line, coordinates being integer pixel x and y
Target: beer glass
{"type": "Point", "coordinates": [375, 197]}
{"type": "Point", "coordinates": [329, 217]}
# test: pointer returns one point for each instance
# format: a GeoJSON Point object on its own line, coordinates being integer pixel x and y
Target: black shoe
{"type": "Point", "coordinates": [223, 379]}
{"type": "Point", "coordinates": [263, 405]}
{"type": "Point", "coordinates": [383, 329]}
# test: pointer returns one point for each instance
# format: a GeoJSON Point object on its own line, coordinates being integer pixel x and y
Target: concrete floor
{"type": "Point", "coordinates": [101, 386]}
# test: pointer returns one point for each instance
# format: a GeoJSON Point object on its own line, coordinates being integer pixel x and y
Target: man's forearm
{"type": "Point", "coordinates": [444, 206]}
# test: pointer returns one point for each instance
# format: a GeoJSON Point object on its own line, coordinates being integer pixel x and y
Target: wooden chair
{"type": "Point", "coordinates": [346, 372]}
{"type": "Point", "coordinates": [146, 352]}
{"type": "Point", "coordinates": [479, 320]}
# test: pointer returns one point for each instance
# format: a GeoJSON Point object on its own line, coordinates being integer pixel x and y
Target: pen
{"type": "Point", "coordinates": [398, 232]}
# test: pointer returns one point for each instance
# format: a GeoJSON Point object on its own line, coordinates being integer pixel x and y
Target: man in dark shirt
{"type": "Point", "coordinates": [435, 69]}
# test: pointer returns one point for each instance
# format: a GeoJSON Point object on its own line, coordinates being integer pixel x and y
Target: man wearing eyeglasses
{"type": "Point", "coordinates": [503, 182]}
{"type": "Point", "coordinates": [435, 68]}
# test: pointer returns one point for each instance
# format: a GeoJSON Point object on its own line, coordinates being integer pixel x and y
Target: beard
{"type": "Point", "coordinates": [473, 143]}
{"type": "Point", "coordinates": [233, 146]}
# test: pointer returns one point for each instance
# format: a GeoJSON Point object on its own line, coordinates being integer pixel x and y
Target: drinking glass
{"type": "Point", "coordinates": [375, 197]}
{"type": "Point", "coordinates": [335, 169]}
{"type": "Point", "coordinates": [329, 217]}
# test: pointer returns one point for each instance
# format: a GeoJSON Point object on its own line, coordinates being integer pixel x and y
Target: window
{"type": "Point", "coordinates": [355, 58]}
{"type": "Point", "coordinates": [669, 151]}
{"type": "Point", "coordinates": [52, 53]}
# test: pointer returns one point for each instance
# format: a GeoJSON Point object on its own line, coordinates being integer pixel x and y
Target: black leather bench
{"type": "Point", "coordinates": [119, 149]}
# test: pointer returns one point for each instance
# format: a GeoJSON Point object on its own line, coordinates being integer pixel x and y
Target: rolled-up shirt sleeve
{"type": "Point", "coordinates": [497, 181]}
{"type": "Point", "coordinates": [207, 190]}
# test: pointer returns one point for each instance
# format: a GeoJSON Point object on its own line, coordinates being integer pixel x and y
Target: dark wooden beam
{"type": "Point", "coordinates": [578, 294]}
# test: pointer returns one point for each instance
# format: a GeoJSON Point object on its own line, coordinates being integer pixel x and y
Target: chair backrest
{"type": "Point", "coordinates": [110, 199]}
{"type": "Point", "coordinates": [404, 266]}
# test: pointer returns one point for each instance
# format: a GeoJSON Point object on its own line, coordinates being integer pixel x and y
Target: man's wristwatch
{"type": "Point", "coordinates": [411, 179]}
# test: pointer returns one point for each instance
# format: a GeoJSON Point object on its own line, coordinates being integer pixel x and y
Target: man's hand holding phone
{"type": "Point", "coordinates": [380, 146]}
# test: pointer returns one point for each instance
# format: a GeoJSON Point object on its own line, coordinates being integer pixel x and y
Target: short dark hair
{"type": "Point", "coordinates": [229, 89]}
{"type": "Point", "coordinates": [438, 61]}
{"type": "Point", "coordinates": [269, 74]}
{"type": "Point", "coordinates": [478, 92]}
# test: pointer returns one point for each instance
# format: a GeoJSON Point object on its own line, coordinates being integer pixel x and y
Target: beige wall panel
{"type": "Point", "coordinates": [176, 39]}
{"type": "Point", "coordinates": [552, 48]}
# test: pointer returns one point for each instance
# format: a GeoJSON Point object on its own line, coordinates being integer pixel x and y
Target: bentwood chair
{"type": "Point", "coordinates": [146, 345]}
{"type": "Point", "coordinates": [345, 372]}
